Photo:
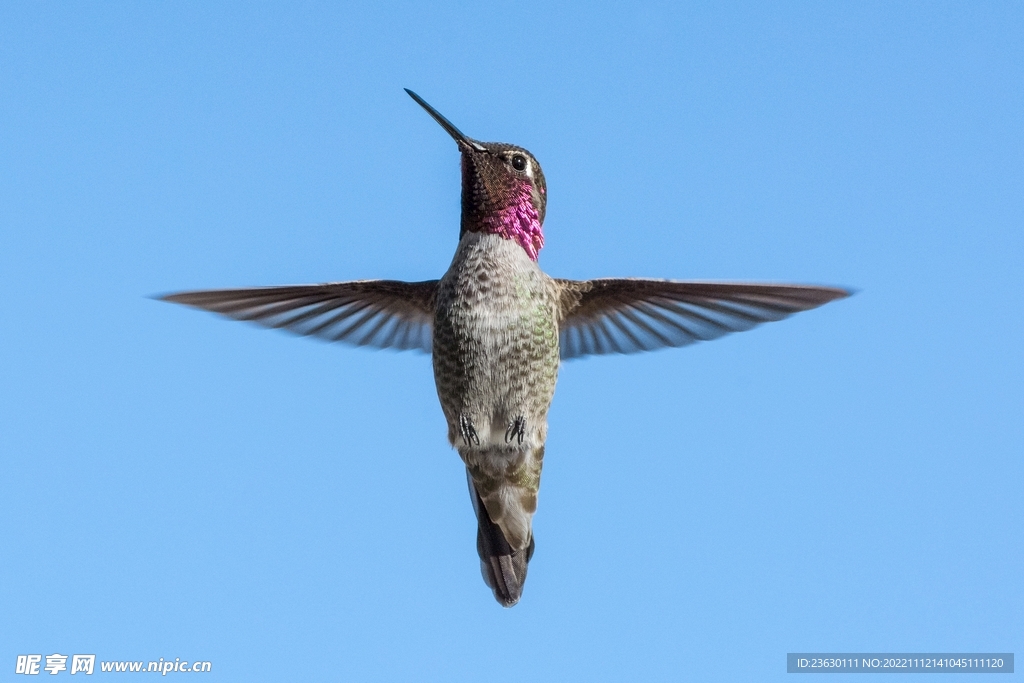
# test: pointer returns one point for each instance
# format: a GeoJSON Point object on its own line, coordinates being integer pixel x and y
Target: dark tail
{"type": "Point", "coordinates": [503, 569]}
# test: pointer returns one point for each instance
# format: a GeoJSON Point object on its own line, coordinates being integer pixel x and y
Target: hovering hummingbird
{"type": "Point", "coordinates": [498, 327]}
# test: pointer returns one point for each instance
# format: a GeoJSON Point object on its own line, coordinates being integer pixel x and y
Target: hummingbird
{"type": "Point", "coordinates": [497, 328]}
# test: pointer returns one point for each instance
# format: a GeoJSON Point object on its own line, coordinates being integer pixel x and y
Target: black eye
{"type": "Point", "coordinates": [519, 162]}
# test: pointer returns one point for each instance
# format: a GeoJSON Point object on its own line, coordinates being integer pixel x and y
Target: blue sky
{"type": "Point", "coordinates": [176, 485]}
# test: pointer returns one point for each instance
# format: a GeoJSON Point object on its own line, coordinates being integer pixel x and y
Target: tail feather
{"type": "Point", "coordinates": [503, 569]}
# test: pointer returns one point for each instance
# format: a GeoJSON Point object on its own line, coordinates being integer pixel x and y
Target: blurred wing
{"type": "Point", "coordinates": [629, 315]}
{"type": "Point", "coordinates": [387, 314]}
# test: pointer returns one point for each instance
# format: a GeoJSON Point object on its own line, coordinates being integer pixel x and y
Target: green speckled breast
{"type": "Point", "coordinates": [495, 347]}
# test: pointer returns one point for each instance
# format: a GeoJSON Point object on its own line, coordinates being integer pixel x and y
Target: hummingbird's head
{"type": "Point", "coordinates": [503, 188]}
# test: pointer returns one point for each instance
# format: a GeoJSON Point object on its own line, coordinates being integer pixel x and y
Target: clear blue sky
{"type": "Point", "coordinates": [176, 485]}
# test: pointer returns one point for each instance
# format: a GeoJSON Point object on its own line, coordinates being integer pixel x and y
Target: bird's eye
{"type": "Point", "coordinates": [519, 162]}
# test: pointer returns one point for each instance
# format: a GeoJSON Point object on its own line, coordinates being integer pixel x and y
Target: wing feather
{"type": "Point", "coordinates": [387, 314]}
{"type": "Point", "coordinates": [628, 315]}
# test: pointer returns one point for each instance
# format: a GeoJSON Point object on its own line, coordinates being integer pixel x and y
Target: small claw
{"type": "Point", "coordinates": [468, 431]}
{"type": "Point", "coordinates": [516, 429]}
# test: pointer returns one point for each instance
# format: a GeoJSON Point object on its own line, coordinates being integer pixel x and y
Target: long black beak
{"type": "Point", "coordinates": [446, 124]}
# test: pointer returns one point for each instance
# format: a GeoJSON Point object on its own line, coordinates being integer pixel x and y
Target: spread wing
{"type": "Point", "coordinates": [627, 315]}
{"type": "Point", "coordinates": [387, 314]}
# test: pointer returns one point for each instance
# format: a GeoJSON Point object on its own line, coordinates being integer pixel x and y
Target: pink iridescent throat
{"type": "Point", "coordinates": [519, 221]}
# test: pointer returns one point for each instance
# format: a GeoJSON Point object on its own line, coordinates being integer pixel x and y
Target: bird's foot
{"type": "Point", "coordinates": [516, 430]}
{"type": "Point", "coordinates": [468, 431]}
